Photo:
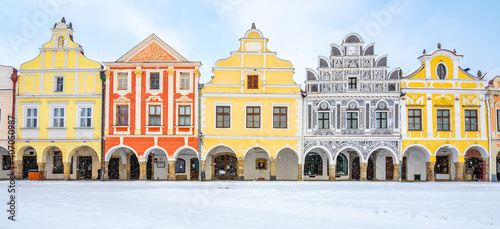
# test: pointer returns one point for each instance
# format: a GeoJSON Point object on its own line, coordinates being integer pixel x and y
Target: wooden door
{"type": "Point", "coordinates": [389, 168]}
{"type": "Point", "coordinates": [195, 169]}
{"type": "Point", "coordinates": [225, 167]}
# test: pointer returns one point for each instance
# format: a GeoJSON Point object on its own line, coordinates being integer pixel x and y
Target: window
{"type": "Point", "coordinates": [122, 115]}
{"type": "Point", "coordinates": [498, 120]}
{"type": "Point", "coordinates": [154, 81]}
{"type": "Point", "coordinates": [180, 166]}
{"type": "Point", "coordinates": [253, 117]}
{"type": "Point", "coordinates": [470, 120]}
{"type": "Point", "coordinates": [85, 117]}
{"type": "Point", "coordinates": [414, 119]}
{"type": "Point", "coordinates": [122, 81]}
{"type": "Point", "coordinates": [342, 165]}
{"type": "Point", "coordinates": [261, 164]}
{"type": "Point", "coordinates": [58, 117]}
{"type": "Point", "coordinates": [60, 41]}
{"type": "Point", "coordinates": [184, 115]}
{"type": "Point", "coordinates": [443, 120]}
{"type": "Point", "coordinates": [353, 84]}
{"type": "Point", "coordinates": [352, 120]}
{"type": "Point", "coordinates": [223, 117]}
{"type": "Point", "coordinates": [381, 120]}
{"type": "Point", "coordinates": [279, 117]}
{"type": "Point", "coordinates": [6, 162]}
{"type": "Point", "coordinates": [57, 166]}
{"type": "Point", "coordinates": [442, 164]}
{"type": "Point", "coordinates": [313, 164]}
{"type": "Point", "coordinates": [184, 81]}
{"type": "Point", "coordinates": [155, 115]}
{"type": "Point", "coordinates": [59, 84]}
{"type": "Point", "coordinates": [441, 71]}
{"type": "Point", "coordinates": [31, 117]}
{"type": "Point", "coordinates": [252, 82]}
{"type": "Point", "coordinates": [323, 120]}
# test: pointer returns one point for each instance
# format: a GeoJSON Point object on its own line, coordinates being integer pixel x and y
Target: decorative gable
{"type": "Point", "coordinates": [153, 52]}
{"type": "Point", "coordinates": [152, 49]}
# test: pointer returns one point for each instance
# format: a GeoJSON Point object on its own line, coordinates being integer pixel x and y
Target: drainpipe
{"type": "Point", "coordinates": [489, 134]}
{"type": "Point", "coordinates": [103, 102]}
{"type": "Point", "coordinates": [201, 174]}
{"type": "Point", "coordinates": [400, 145]}
{"type": "Point", "coordinates": [14, 78]}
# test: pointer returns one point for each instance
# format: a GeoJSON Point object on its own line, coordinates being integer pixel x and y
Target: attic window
{"type": "Point", "coordinates": [60, 41]}
{"type": "Point", "coordinates": [441, 71]}
{"type": "Point", "coordinates": [253, 82]}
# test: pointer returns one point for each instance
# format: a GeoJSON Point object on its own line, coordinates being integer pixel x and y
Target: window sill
{"type": "Point", "coordinates": [29, 128]}
{"type": "Point", "coordinates": [56, 128]}
{"type": "Point", "coordinates": [154, 126]}
{"type": "Point", "coordinates": [120, 126]}
{"type": "Point", "coordinates": [83, 128]}
{"type": "Point", "coordinates": [184, 126]}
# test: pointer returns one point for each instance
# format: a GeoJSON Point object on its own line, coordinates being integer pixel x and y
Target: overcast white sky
{"type": "Point", "coordinates": [299, 31]}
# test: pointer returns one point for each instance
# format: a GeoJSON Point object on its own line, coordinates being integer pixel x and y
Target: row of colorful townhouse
{"type": "Point", "coordinates": [356, 119]}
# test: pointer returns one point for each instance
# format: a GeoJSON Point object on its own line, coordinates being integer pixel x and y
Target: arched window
{"type": "Point", "coordinates": [180, 166]}
{"type": "Point", "coordinates": [342, 165]}
{"type": "Point", "coordinates": [60, 41]}
{"type": "Point", "coordinates": [441, 71]}
{"type": "Point", "coordinates": [253, 82]}
{"type": "Point", "coordinates": [313, 164]}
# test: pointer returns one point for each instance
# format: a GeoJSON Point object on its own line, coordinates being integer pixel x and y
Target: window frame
{"type": "Point", "coordinates": [151, 81]}
{"type": "Point", "coordinates": [349, 83]}
{"type": "Point", "coordinates": [57, 166]}
{"type": "Point", "coordinates": [352, 119]}
{"type": "Point", "coordinates": [52, 116]}
{"type": "Point", "coordinates": [184, 116]}
{"type": "Point", "coordinates": [122, 76]}
{"type": "Point", "coordinates": [322, 119]}
{"type": "Point", "coordinates": [280, 115]}
{"type": "Point", "coordinates": [26, 118]}
{"type": "Point", "coordinates": [154, 115]}
{"type": "Point", "coordinates": [253, 114]}
{"type": "Point", "coordinates": [342, 168]}
{"type": "Point", "coordinates": [183, 85]}
{"type": "Point", "coordinates": [318, 160]}
{"type": "Point", "coordinates": [498, 120]}
{"type": "Point", "coordinates": [126, 115]}
{"type": "Point", "coordinates": [441, 118]}
{"type": "Point", "coordinates": [439, 71]}
{"type": "Point", "coordinates": [6, 162]}
{"type": "Point", "coordinates": [252, 81]}
{"type": "Point", "coordinates": [79, 114]}
{"type": "Point", "coordinates": [56, 83]}
{"type": "Point", "coordinates": [470, 125]}
{"type": "Point", "coordinates": [379, 120]}
{"type": "Point", "coordinates": [222, 115]}
{"type": "Point", "coordinates": [178, 167]}
{"type": "Point", "coordinates": [446, 165]}
{"type": "Point", "coordinates": [414, 118]}
{"type": "Point", "coordinates": [259, 162]}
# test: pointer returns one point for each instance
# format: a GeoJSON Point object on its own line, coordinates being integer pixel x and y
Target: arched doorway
{"type": "Point", "coordinates": [135, 168]}
{"type": "Point", "coordinates": [225, 167]}
{"type": "Point", "coordinates": [342, 166]}
{"type": "Point", "coordinates": [316, 165]}
{"type": "Point", "coordinates": [123, 164]}
{"type": "Point", "coordinates": [381, 166]}
{"type": "Point", "coordinates": [414, 164]}
{"type": "Point", "coordinates": [474, 167]}
{"type": "Point", "coordinates": [54, 166]}
{"type": "Point", "coordinates": [446, 157]}
{"type": "Point", "coordinates": [287, 165]}
{"type": "Point", "coordinates": [355, 168]}
{"type": "Point", "coordinates": [157, 164]}
{"type": "Point", "coordinates": [84, 163]}
{"type": "Point", "coordinates": [29, 162]}
{"type": "Point", "coordinates": [256, 165]}
{"type": "Point", "coordinates": [187, 166]}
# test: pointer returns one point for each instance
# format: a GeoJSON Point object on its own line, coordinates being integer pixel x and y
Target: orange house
{"type": "Point", "coordinates": [151, 114]}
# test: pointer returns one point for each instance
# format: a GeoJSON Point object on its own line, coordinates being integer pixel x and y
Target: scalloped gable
{"type": "Point", "coordinates": [152, 49]}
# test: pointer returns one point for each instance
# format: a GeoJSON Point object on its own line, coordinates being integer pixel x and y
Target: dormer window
{"type": "Point", "coordinates": [60, 41]}
{"type": "Point", "coordinates": [252, 82]}
{"type": "Point", "coordinates": [441, 71]}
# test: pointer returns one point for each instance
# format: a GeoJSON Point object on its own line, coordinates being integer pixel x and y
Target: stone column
{"type": "Point", "coordinates": [171, 170]}
{"type": "Point", "coordinates": [202, 168]}
{"type": "Point", "coordinates": [272, 163]}
{"type": "Point", "coordinates": [459, 171]}
{"type": "Point", "coordinates": [395, 176]}
{"type": "Point", "coordinates": [128, 169]}
{"type": "Point", "coordinates": [363, 171]}
{"type": "Point", "coordinates": [106, 175]}
{"type": "Point", "coordinates": [333, 169]}
{"type": "Point", "coordinates": [299, 178]}
{"type": "Point", "coordinates": [41, 168]}
{"type": "Point", "coordinates": [142, 170]}
{"type": "Point", "coordinates": [486, 169]}
{"type": "Point", "coordinates": [430, 170]}
{"type": "Point", "coordinates": [67, 170]}
{"type": "Point", "coordinates": [18, 169]}
{"type": "Point", "coordinates": [241, 166]}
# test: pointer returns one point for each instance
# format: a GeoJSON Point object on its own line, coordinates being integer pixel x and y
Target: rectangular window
{"type": "Point", "coordinates": [122, 81]}
{"type": "Point", "coordinates": [59, 84]}
{"type": "Point", "coordinates": [154, 81]}
{"type": "Point", "coordinates": [414, 119]}
{"type": "Point", "coordinates": [498, 120]}
{"type": "Point", "coordinates": [470, 120]}
{"type": "Point", "coordinates": [184, 81]}
{"type": "Point", "coordinates": [253, 117]}
{"type": "Point", "coordinates": [122, 115]}
{"type": "Point", "coordinates": [57, 165]}
{"type": "Point", "coordinates": [155, 115]}
{"type": "Point", "coordinates": [185, 115]}
{"type": "Point", "coordinates": [252, 82]}
{"type": "Point", "coordinates": [31, 117]}
{"type": "Point", "coordinates": [443, 120]}
{"type": "Point", "coordinates": [85, 117]}
{"type": "Point", "coordinates": [223, 114]}
{"type": "Point", "coordinates": [6, 162]}
{"type": "Point", "coordinates": [323, 120]}
{"type": "Point", "coordinates": [442, 164]}
{"type": "Point", "coordinates": [58, 115]}
{"type": "Point", "coordinates": [381, 120]}
{"type": "Point", "coordinates": [352, 120]}
{"type": "Point", "coordinates": [353, 83]}
{"type": "Point", "coordinates": [280, 117]}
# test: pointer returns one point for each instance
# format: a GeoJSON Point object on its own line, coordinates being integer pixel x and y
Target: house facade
{"type": "Point", "coordinates": [493, 99]}
{"type": "Point", "coordinates": [351, 129]}
{"type": "Point", "coordinates": [445, 121]}
{"type": "Point", "coordinates": [251, 116]}
{"type": "Point", "coordinates": [58, 111]}
{"type": "Point", "coordinates": [6, 99]}
{"type": "Point", "coordinates": [151, 116]}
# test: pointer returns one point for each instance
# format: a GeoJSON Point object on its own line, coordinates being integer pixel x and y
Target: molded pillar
{"type": "Point", "coordinates": [106, 175]}
{"type": "Point", "coordinates": [459, 171]}
{"type": "Point", "coordinates": [363, 171]}
{"type": "Point", "coordinates": [41, 168]}
{"type": "Point", "coordinates": [142, 170]}
{"type": "Point", "coordinates": [299, 178]}
{"type": "Point", "coordinates": [430, 170]}
{"type": "Point", "coordinates": [241, 166]}
{"type": "Point", "coordinates": [272, 163]}
{"type": "Point", "coordinates": [171, 170]}
{"type": "Point", "coordinates": [395, 176]}
{"type": "Point", "coordinates": [202, 169]}
{"type": "Point", "coordinates": [333, 169]}
{"type": "Point", "coordinates": [18, 169]}
{"type": "Point", "coordinates": [67, 170]}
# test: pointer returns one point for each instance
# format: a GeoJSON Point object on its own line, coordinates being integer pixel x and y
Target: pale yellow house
{"type": "Point", "coordinates": [6, 98]}
{"type": "Point", "coordinates": [444, 119]}
{"type": "Point", "coordinates": [59, 111]}
{"type": "Point", "coordinates": [251, 116]}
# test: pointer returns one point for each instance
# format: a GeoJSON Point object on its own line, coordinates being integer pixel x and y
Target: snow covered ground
{"type": "Point", "coordinates": [140, 204]}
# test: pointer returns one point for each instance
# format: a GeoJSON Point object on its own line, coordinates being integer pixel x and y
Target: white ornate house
{"type": "Point", "coordinates": [352, 115]}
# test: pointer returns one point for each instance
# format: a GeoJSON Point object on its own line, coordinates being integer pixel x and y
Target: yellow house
{"type": "Point", "coordinates": [59, 111]}
{"type": "Point", "coordinates": [251, 116]}
{"type": "Point", "coordinates": [444, 121]}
